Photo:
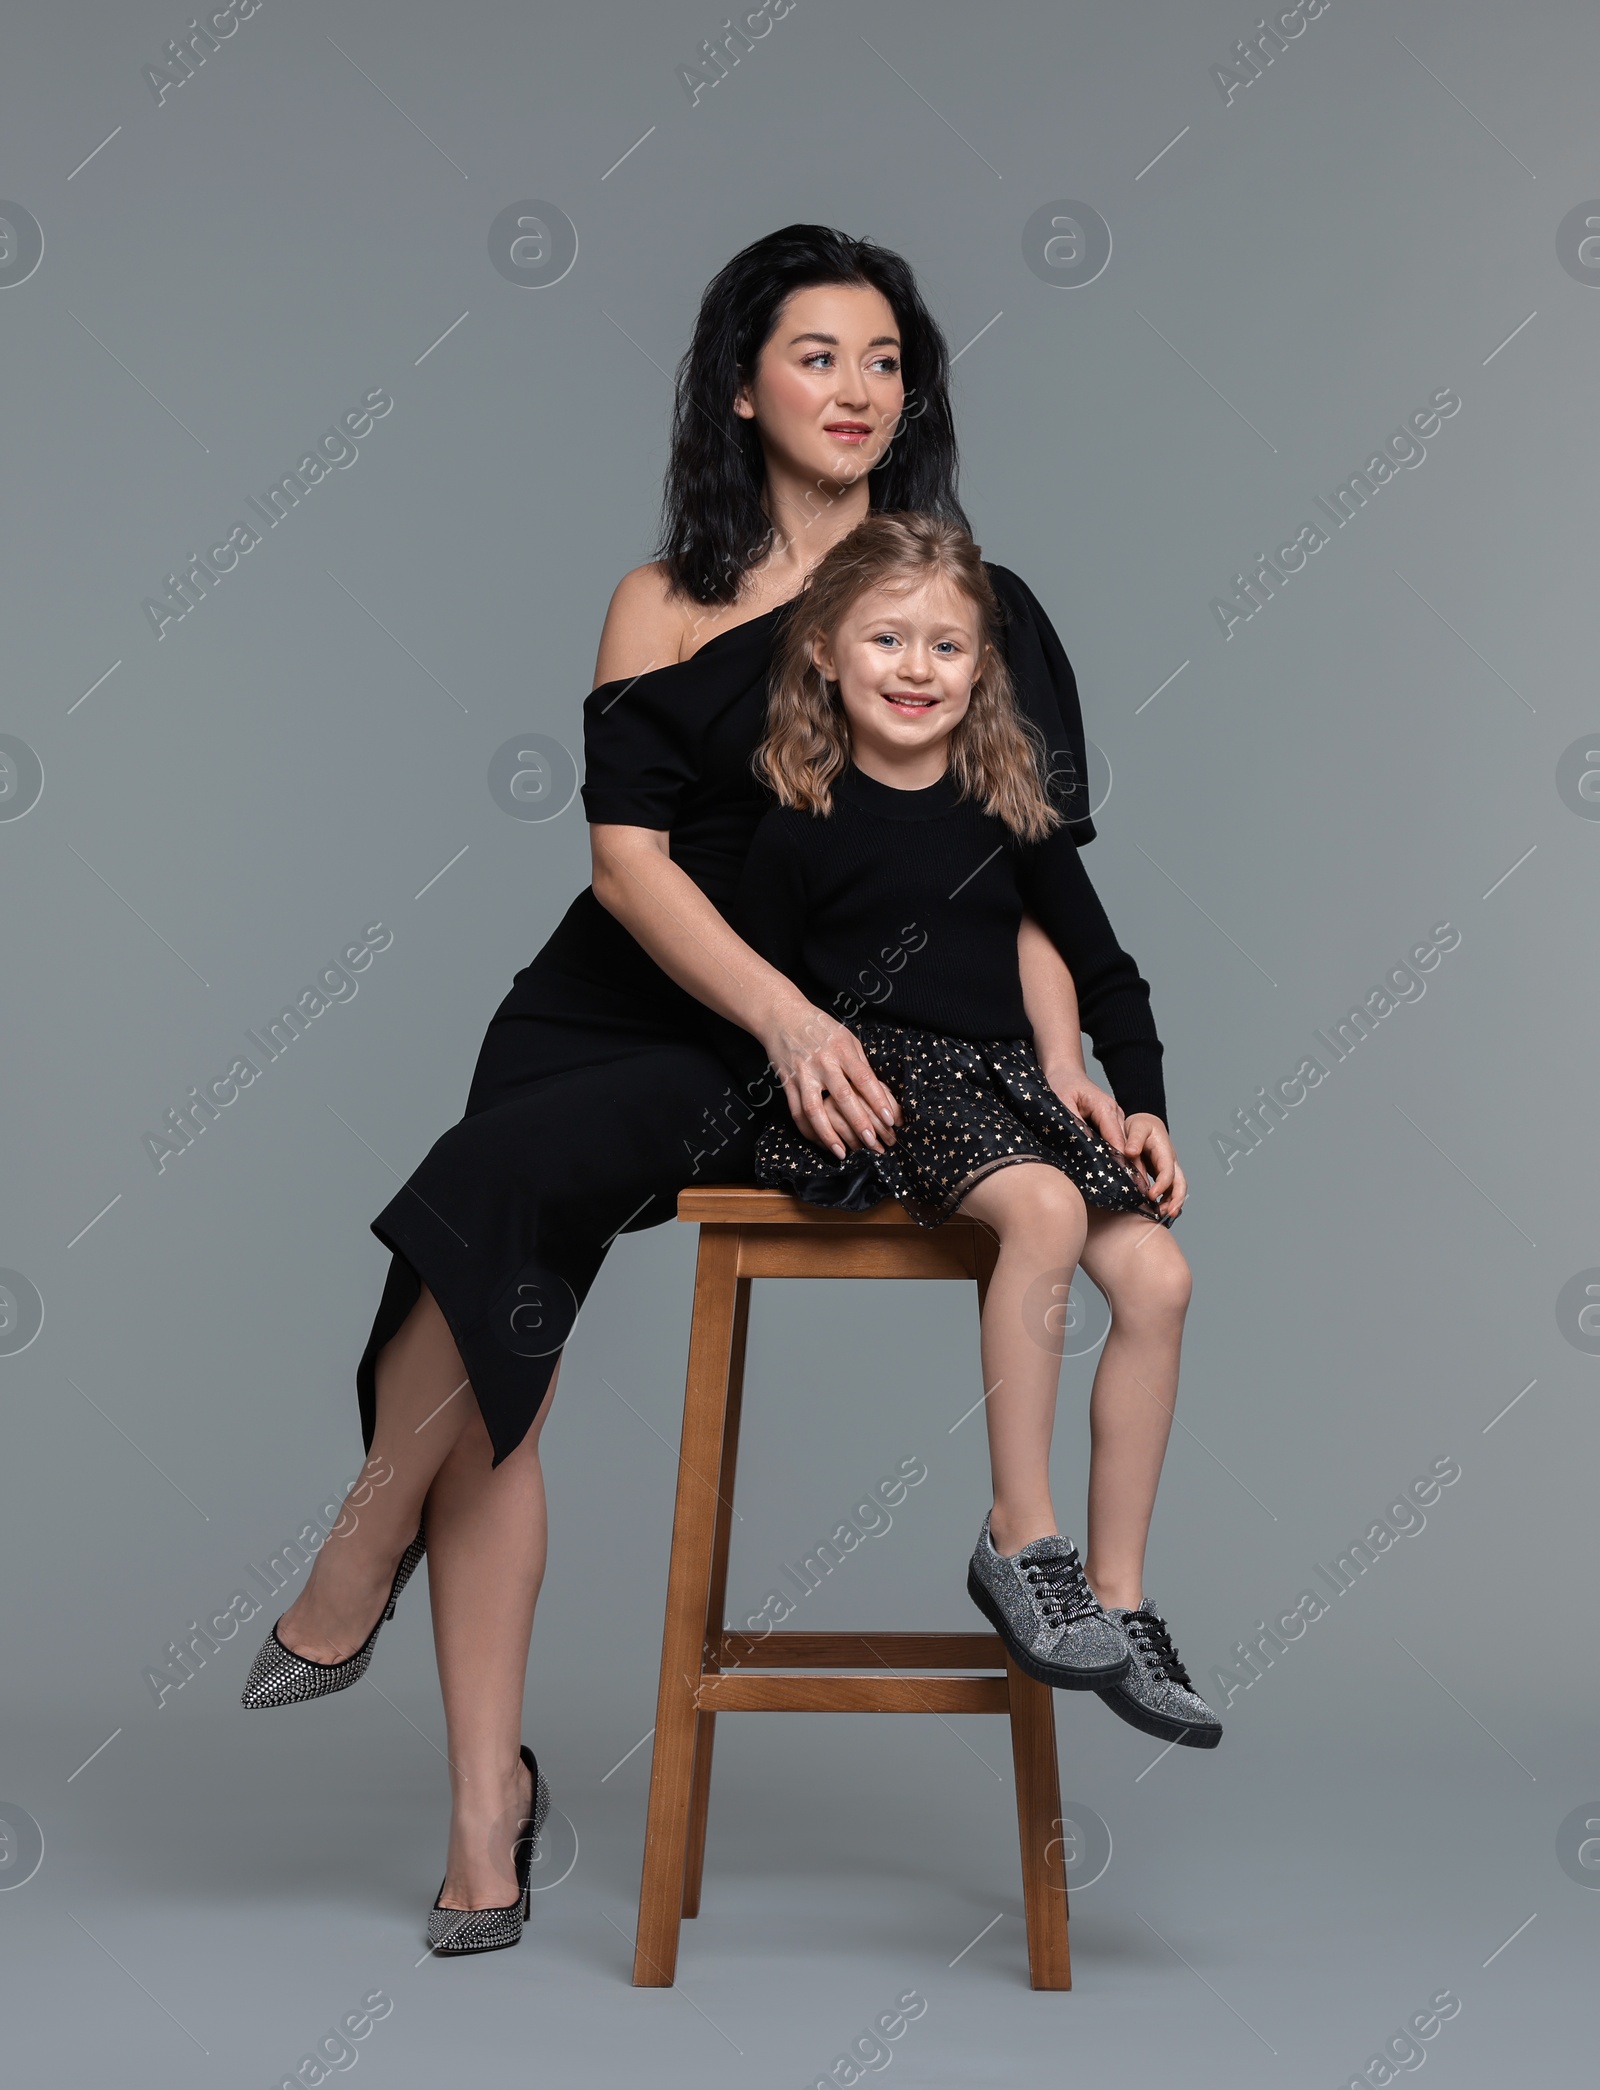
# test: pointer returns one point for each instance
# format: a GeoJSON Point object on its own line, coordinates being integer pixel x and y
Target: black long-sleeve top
{"type": "Point", "coordinates": [904, 907]}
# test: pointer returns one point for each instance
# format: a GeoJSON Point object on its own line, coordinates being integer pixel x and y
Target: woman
{"type": "Point", "coordinates": [627, 1058]}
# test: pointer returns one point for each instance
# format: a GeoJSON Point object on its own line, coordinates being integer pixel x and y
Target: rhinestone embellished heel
{"type": "Point", "coordinates": [279, 1676]}
{"type": "Point", "coordinates": [452, 1932]}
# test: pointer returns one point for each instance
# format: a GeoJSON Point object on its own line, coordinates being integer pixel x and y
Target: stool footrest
{"type": "Point", "coordinates": [878, 1651]}
{"type": "Point", "coordinates": [729, 1691]}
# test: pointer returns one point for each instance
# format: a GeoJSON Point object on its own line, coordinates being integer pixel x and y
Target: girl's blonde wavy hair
{"type": "Point", "coordinates": [997, 753]}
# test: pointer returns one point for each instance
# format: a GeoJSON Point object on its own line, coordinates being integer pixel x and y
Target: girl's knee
{"type": "Point", "coordinates": [1044, 1208]}
{"type": "Point", "coordinates": [1155, 1280]}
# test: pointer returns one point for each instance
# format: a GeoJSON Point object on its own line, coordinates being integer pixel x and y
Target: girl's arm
{"type": "Point", "coordinates": [662, 908]}
{"type": "Point", "coordinates": [1118, 1004]}
{"type": "Point", "coordinates": [1048, 692]}
{"type": "Point", "coordinates": [1051, 1000]}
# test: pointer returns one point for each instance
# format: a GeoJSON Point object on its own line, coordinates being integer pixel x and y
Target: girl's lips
{"type": "Point", "coordinates": [904, 700]}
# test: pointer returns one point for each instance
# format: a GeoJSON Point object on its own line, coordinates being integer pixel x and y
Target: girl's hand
{"type": "Point", "coordinates": [1148, 1145]}
{"type": "Point", "coordinates": [834, 1096]}
{"type": "Point", "coordinates": [1091, 1103]}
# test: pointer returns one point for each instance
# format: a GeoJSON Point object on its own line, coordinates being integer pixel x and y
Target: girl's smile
{"type": "Point", "coordinates": [905, 660]}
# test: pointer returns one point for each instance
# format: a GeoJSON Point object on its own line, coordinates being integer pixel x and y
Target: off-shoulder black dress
{"type": "Point", "coordinates": [603, 1088]}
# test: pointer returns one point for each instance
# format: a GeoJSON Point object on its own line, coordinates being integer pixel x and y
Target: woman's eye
{"type": "Point", "coordinates": [817, 358]}
{"type": "Point", "coordinates": [886, 365]}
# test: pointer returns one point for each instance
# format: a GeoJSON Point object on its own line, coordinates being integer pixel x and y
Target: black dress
{"type": "Point", "coordinates": [602, 1088]}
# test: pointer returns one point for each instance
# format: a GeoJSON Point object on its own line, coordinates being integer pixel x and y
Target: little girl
{"type": "Point", "coordinates": [911, 833]}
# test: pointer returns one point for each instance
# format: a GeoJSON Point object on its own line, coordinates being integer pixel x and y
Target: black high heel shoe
{"type": "Point", "coordinates": [455, 1931]}
{"type": "Point", "coordinates": [279, 1676]}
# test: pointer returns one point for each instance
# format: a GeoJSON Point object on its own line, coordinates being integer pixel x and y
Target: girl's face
{"type": "Point", "coordinates": [827, 392]}
{"type": "Point", "coordinates": [905, 660]}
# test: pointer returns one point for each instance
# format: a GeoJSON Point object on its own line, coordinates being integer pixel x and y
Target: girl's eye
{"type": "Point", "coordinates": [886, 638]}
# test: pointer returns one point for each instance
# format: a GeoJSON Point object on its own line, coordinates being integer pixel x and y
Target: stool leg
{"type": "Point", "coordinates": [1044, 1876]}
{"type": "Point", "coordinates": [688, 1587]}
{"type": "Point", "coordinates": [705, 1724]}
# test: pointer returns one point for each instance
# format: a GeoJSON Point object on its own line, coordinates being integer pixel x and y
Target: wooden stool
{"type": "Point", "coordinates": [747, 1233]}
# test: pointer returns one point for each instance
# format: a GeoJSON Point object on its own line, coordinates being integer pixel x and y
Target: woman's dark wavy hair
{"type": "Point", "coordinates": [714, 528]}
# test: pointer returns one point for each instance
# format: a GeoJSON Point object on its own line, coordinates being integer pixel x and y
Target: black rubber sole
{"type": "Point", "coordinates": [1029, 1664]}
{"type": "Point", "coordinates": [1184, 1732]}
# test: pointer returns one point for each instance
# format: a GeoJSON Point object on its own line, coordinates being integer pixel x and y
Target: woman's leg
{"type": "Point", "coordinates": [486, 1555]}
{"type": "Point", "coordinates": [424, 1403]}
{"type": "Point", "coordinates": [1143, 1274]}
{"type": "Point", "coordinates": [1039, 1218]}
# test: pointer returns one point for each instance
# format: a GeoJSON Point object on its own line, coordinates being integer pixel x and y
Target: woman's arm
{"type": "Point", "coordinates": [834, 1096]}
{"type": "Point", "coordinates": [668, 915]}
{"type": "Point", "coordinates": [1047, 690]}
{"type": "Point", "coordinates": [643, 629]}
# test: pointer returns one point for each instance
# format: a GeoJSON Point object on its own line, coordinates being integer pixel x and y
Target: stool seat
{"type": "Point", "coordinates": [746, 1233]}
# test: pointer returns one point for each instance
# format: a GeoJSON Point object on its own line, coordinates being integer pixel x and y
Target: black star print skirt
{"type": "Point", "coordinates": [970, 1106]}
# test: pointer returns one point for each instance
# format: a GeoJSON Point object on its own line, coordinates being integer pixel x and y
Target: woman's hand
{"type": "Point", "coordinates": [1148, 1145]}
{"type": "Point", "coordinates": [667, 914]}
{"type": "Point", "coordinates": [1091, 1103]}
{"type": "Point", "coordinates": [834, 1096]}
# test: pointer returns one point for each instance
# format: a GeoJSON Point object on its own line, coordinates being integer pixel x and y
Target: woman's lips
{"type": "Point", "coordinates": [848, 431]}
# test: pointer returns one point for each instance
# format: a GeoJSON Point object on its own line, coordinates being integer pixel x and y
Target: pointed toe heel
{"type": "Point", "coordinates": [452, 1933]}
{"type": "Point", "coordinates": [278, 1676]}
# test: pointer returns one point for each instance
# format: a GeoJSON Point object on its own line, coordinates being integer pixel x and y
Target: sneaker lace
{"type": "Point", "coordinates": [1061, 1588]}
{"type": "Point", "coordinates": [1148, 1632]}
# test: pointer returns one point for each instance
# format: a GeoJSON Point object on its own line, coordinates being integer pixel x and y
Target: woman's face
{"type": "Point", "coordinates": [827, 392]}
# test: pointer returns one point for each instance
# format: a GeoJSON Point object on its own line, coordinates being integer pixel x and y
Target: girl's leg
{"type": "Point", "coordinates": [1143, 1274]}
{"type": "Point", "coordinates": [1040, 1219]}
{"type": "Point", "coordinates": [423, 1404]}
{"type": "Point", "coordinates": [486, 1555]}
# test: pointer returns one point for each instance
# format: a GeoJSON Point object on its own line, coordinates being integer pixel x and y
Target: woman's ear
{"type": "Point", "coordinates": [743, 405]}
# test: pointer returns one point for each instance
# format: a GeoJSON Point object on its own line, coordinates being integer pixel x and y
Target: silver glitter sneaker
{"type": "Point", "coordinates": [279, 1676]}
{"type": "Point", "coordinates": [1156, 1695]}
{"type": "Point", "coordinates": [1045, 1612]}
{"type": "Point", "coordinates": [452, 1932]}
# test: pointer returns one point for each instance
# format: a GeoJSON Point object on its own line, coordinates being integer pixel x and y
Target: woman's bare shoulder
{"type": "Point", "coordinates": [644, 626]}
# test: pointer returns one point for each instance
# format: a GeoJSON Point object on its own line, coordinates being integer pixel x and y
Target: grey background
{"type": "Point", "coordinates": [306, 751]}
